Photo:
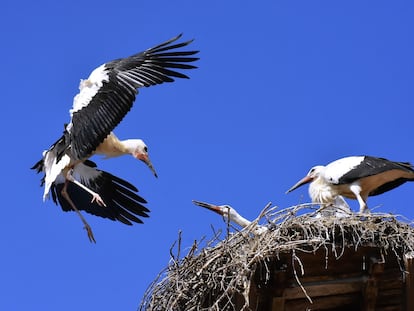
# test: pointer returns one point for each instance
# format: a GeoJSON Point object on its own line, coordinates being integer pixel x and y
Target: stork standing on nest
{"type": "Point", "coordinates": [230, 214]}
{"type": "Point", "coordinates": [355, 177]}
{"type": "Point", "coordinates": [102, 102]}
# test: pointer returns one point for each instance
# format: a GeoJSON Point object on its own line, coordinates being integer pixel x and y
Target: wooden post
{"type": "Point", "coordinates": [278, 304]}
{"type": "Point", "coordinates": [376, 268]}
{"type": "Point", "coordinates": [409, 280]}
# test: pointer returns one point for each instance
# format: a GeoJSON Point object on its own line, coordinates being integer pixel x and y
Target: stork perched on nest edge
{"type": "Point", "coordinates": [355, 177]}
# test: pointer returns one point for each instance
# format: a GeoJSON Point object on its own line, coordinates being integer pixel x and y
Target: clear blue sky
{"type": "Point", "coordinates": [281, 86]}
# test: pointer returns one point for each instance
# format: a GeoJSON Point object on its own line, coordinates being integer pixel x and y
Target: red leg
{"type": "Point", "coordinates": [86, 225]}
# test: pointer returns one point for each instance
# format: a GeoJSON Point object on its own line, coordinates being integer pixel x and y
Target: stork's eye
{"type": "Point", "coordinates": [146, 149]}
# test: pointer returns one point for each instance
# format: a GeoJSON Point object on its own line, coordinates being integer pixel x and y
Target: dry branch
{"type": "Point", "coordinates": [216, 273]}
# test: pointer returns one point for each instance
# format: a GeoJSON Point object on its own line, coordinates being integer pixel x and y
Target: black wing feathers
{"type": "Point", "coordinates": [38, 166]}
{"type": "Point", "coordinates": [93, 123]}
{"type": "Point", "coordinates": [388, 186]}
{"type": "Point", "coordinates": [372, 166]}
{"type": "Point", "coordinates": [122, 201]}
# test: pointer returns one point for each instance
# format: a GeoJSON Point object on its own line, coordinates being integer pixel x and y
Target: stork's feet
{"type": "Point", "coordinates": [97, 198]}
{"type": "Point", "coordinates": [90, 233]}
{"type": "Point", "coordinates": [364, 211]}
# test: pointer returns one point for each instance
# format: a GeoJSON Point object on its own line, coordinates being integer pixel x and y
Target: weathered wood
{"type": "Point", "coordinates": [267, 285]}
{"type": "Point", "coordinates": [391, 280]}
{"type": "Point", "coordinates": [323, 262]}
{"type": "Point", "coordinates": [323, 289]}
{"type": "Point", "coordinates": [409, 280]}
{"type": "Point", "coordinates": [358, 280]}
{"type": "Point", "coordinates": [278, 304]}
{"type": "Point", "coordinates": [376, 268]}
{"type": "Point", "coordinates": [338, 303]}
{"type": "Point", "coordinates": [396, 307]}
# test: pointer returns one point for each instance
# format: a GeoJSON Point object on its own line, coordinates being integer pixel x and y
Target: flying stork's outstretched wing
{"type": "Point", "coordinates": [109, 92]}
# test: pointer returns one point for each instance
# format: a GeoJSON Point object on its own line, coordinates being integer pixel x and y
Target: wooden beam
{"type": "Point", "coordinates": [340, 302]}
{"type": "Point", "coordinates": [278, 304]}
{"type": "Point", "coordinates": [409, 280]}
{"type": "Point", "coordinates": [264, 289]}
{"type": "Point", "coordinates": [323, 289]}
{"type": "Point", "coordinates": [376, 268]}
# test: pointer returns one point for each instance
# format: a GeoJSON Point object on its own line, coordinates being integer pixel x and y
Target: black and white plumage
{"type": "Point", "coordinates": [109, 92]}
{"type": "Point", "coordinates": [122, 203]}
{"type": "Point", "coordinates": [231, 215]}
{"type": "Point", "coordinates": [355, 177]}
{"type": "Point", "coordinates": [102, 102]}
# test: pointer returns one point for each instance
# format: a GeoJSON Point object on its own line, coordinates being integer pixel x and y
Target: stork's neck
{"type": "Point", "coordinates": [112, 147]}
{"type": "Point", "coordinates": [322, 192]}
{"type": "Point", "coordinates": [240, 220]}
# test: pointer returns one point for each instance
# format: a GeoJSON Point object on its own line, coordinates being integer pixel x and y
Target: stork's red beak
{"type": "Point", "coordinates": [145, 158]}
{"type": "Point", "coordinates": [211, 207]}
{"type": "Point", "coordinates": [303, 181]}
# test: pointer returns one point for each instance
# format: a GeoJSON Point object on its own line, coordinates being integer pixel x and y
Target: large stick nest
{"type": "Point", "coordinates": [213, 271]}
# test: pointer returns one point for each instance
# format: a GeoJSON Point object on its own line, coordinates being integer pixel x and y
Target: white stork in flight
{"type": "Point", "coordinates": [102, 102]}
{"type": "Point", "coordinates": [355, 177]}
{"type": "Point", "coordinates": [230, 214]}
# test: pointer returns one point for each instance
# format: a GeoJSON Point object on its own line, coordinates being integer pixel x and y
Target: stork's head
{"type": "Point", "coordinates": [139, 150]}
{"type": "Point", "coordinates": [226, 211]}
{"type": "Point", "coordinates": [314, 173]}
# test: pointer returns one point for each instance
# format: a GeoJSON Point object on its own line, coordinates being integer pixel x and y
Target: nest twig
{"type": "Point", "coordinates": [212, 274]}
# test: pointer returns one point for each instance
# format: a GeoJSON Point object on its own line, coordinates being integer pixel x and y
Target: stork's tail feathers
{"type": "Point", "coordinates": [38, 166]}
